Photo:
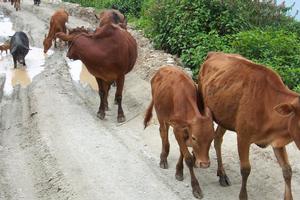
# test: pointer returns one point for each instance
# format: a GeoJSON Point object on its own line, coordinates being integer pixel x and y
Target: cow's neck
{"type": "Point", "coordinates": [51, 33]}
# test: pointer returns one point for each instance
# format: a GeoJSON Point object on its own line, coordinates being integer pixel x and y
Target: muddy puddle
{"type": "Point", "coordinates": [22, 75]}
{"type": "Point", "coordinates": [80, 74]}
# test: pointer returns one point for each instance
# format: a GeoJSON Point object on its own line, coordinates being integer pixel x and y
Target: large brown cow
{"type": "Point", "coordinates": [109, 53]}
{"type": "Point", "coordinates": [57, 24]}
{"type": "Point", "coordinates": [175, 98]}
{"type": "Point", "coordinates": [112, 16]}
{"type": "Point", "coordinates": [253, 101]}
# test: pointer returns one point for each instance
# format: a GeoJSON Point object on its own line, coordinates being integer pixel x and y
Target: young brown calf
{"type": "Point", "coordinates": [57, 24]}
{"type": "Point", "coordinates": [253, 101]}
{"type": "Point", "coordinates": [175, 99]}
{"type": "Point", "coordinates": [4, 47]}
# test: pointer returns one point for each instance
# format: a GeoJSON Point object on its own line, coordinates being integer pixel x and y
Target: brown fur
{"type": "Point", "coordinates": [57, 24]}
{"type": "Point", "coordinates": [175, 98]}
{"type": "Point", "coordinates": [72, 33]}
{"type": "Point", "coordinates": [4, 47]}
{"type": "Point", "coordinates": [253, 101]}
{"type": "Point", "coordinates": [109, 53]}
{"type": "Point", "coordinates": [110, 16]}
{"type": "Point", "coordinates": [17, 5]}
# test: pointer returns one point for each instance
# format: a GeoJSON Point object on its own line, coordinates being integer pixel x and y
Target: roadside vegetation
{"type": "Point", "coordinates": [259, 30]}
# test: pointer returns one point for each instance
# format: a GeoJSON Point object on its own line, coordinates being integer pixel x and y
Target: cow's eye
{"type": "Point", "coordinates": [193, 138]}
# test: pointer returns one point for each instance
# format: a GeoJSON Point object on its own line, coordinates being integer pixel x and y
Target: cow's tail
{"type": "Point", "coordinates": [200, 99]}
{"type": "Point", "coordinates": [148, 115]}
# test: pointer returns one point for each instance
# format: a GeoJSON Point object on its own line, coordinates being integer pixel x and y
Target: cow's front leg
{"type": "Point", "coordinates": [55, 45]}
{"type": "Point", "coordinates": [103, 91]}
{"type": "Point", "coordinates": [243, 148]}
{"type": "Point", "coordinates": [283, 161]}
{"type": "Point", "coordinates": [223, 178]}
{"type": "Point", "coordinates": [118, 98]}
{"type": "Point", "coordinates": [15, 61]}
{"type": "Point", "coordinates": [190, 161]}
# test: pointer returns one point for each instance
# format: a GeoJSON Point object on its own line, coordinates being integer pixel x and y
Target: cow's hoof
{"type": "Point", "coordinates": [224, 181]}
{"type": "Point", "coordinates": [163, 164]}
{"type": "Point", "coordinates": [243, 196]}
{"type": "Point", "coordinates": [101, 115]}
{"type": "Point", "coordinates": [179, 176]}
{"type": "Point", "coordinates": [197, 192]}
{"type": "Point", "coordinates": [121, 119]}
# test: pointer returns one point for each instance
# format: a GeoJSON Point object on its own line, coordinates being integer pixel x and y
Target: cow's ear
{"type": "Point", "coordinates": [284, 109]}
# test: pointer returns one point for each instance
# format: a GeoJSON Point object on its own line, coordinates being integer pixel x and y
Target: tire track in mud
{"type": "Point", "coordinates": [50, 170]}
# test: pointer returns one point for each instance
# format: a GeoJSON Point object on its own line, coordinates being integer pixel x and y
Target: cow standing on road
{"type": "Point", "coordinates": [109, 54]}
{"type": "Point", "coordinates": [37, 2]}
{"type": "Point", "coordinates": [251, 100]}
{"type": "Point", "coordinates": [177, 104]}
{"type": "Point", "coordinates": [19, 47]}
{"type": "Point", "coordinates": [57, 24]}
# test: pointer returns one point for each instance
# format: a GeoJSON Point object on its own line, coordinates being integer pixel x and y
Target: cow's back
{"type": "Point", "coordinates": [173, 93]}
{"type": "Point", "coordinates": [58, 20]}
{"type": "Point", "coordinates": [238, 91]}
{"type": "Point", "coordinates": [110, 55]}
{"type": "Point", "coordinates": [19, 43]}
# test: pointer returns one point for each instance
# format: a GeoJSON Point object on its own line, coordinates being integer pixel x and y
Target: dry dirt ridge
{"type": "Point", "coordinates": [52, 146]}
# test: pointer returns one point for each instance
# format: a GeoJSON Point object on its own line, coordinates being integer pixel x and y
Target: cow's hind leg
{"type": "Point", "coordinates": [243, 148]}
{"type": "Point", "coordinates": [189, 160]}
{"type": "Point", "coordinates": [223, 178]}
{"type": "Point", "coordinates": [163, 129]}
{"type": "Point", "coordinates": [283, 161]}
{"type": "Point", "coordinates": [55, 45]}
{"type": "Point", "coordinates": [103, 93]}
{"type": "Point", "coordinates": [179, 168]}
{"type": "Point", "coordinates": [118, 98]}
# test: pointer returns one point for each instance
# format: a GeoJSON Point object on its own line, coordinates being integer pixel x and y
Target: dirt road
{"type": "Point", "coordinates": [52, 145]}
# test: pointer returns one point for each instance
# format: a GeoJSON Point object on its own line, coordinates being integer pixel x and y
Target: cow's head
{"type": "Point", "coordinates": [292, 111]}
{"type": "Point", "coordinates": [47, 43]}
{"type": "Point", "coordinates": [202, 132]}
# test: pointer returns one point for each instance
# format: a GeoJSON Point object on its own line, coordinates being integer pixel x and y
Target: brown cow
{"type": "Point", "coordinates": [112, 16]}
{"type": "Point", "coordinates": [4, 47]}
{"type": "Point", "coordinates": [175, 98]}
{"type": "Point", "coordinates": [251, 100]}
{"type": "Point", "coordinates": [17, 5]}
{"type": "Point", "coordinates": [109, 53]}
{"type": "Point", "coordinates": [57, 24]}
{"type": "Point", "coordinates": [72, 33]}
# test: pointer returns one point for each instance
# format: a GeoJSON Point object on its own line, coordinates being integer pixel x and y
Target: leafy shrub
{"type": "Point", "coordinates": [278, 49]}
{"type": "Point", "coordinates": [193, 57]}
{"type": "Point", "coordinates": [175, 25]}
{"type": "Point", "coordinates": [131, 7]}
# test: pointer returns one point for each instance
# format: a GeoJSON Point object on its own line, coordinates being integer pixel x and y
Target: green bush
{"type": "Point", "coordinates": [175, 25]}
{"type": "Point", "coordinates": [128, 7]}
{"type": "Point", "coordinates": [193, 57]}
{"type": "Point", "coordinates": [278, 49]}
